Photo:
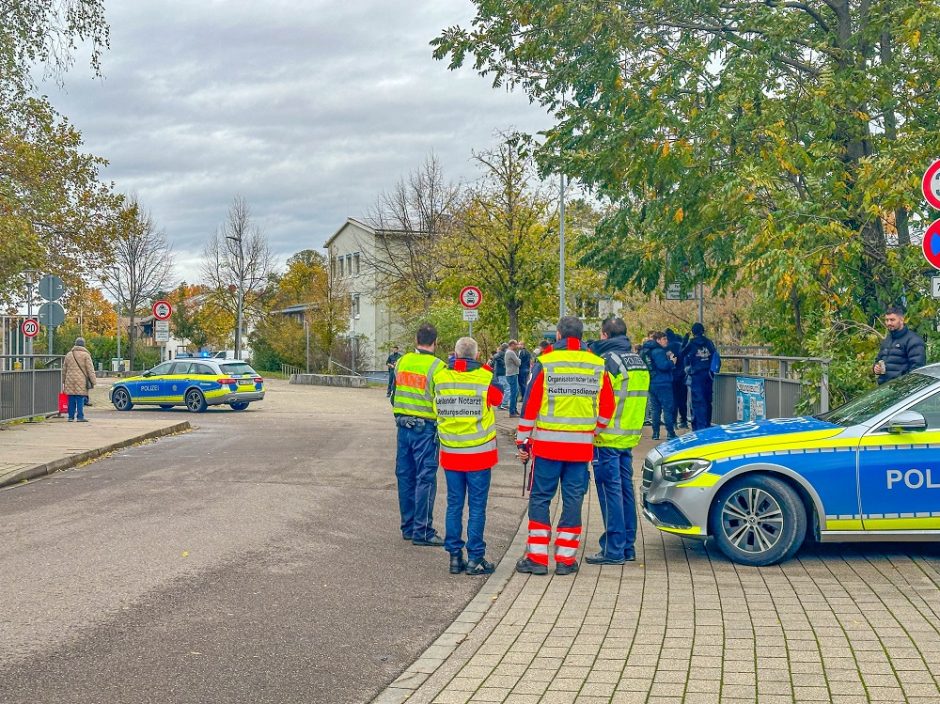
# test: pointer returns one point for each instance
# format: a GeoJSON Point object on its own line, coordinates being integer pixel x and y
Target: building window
{"type": "Point", "coordinates": [356, 263]}
{"type": "Point", "coordinates": [355, 304]}
{"type": "Point", "coordinates": [340, 266]}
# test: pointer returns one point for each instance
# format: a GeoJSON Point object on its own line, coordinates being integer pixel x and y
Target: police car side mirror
{"type": "Point", "coordinates": [147, 373]}
{"type": "Point", "coordinates": [907, 421]}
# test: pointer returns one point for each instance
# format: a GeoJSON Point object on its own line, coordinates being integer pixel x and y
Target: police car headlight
{"type": "Point", "coordinates": [683, 470]}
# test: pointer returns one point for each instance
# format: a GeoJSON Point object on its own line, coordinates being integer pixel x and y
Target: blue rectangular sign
{"type": "Point", "coordinates": [750, 398]}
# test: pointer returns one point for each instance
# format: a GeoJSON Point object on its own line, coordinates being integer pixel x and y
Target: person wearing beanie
{"type": "Point", "coordinates": [701, 360]}
{"type": "Point", "coordinates": [78, 376]}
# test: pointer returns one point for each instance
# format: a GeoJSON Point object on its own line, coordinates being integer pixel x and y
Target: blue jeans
{"type": "Point", "coordinates": [472, 488]}
{"type": "Point", "coordinates": [613, 475]}
{"type": "Point", "coordinates": [573, 477]}
{"type": "Point", "coordinates": [663, 404]}
{"type": "Point", "coordinates": [503, 383]}
{"type": "Point", "coordinates": [513, 381]}
{"type": "Point", "coordinates": [416, 471]}
{"type": "Point", "coordinates": [76, 407]}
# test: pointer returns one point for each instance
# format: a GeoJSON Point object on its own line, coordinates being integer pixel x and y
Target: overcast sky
{"type": "Point", "coordinates": [307, 108]}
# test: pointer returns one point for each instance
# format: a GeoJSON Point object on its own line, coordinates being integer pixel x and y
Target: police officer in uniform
{"type": "Point", "coordinates": [613, 446]}
{"type": "Point", "coordinates": [416, 459]}
{"type": "Point", "coordinates": [701, 364]}
{"type": "Point", "coordinates": [568, 399]}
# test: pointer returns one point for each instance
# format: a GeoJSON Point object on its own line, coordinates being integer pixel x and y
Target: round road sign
{"type": "Point", "coordinates": [471, 297]}
{"type": "Point", "coordinates": [931, 184]}
{"type": "Point", "coordinates": [51, 314]}
{"type": "Point", "coordinates": [932, 244]}
{"type": "Point", "coordinates": [162, 310]}
{"type": "Point", "coordinates": [30, 327]}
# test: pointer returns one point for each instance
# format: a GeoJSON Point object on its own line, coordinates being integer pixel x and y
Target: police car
{"type": "Point", "coordinates": [867, 471]}
{"type": "Point", "coordinates": [194, 383]}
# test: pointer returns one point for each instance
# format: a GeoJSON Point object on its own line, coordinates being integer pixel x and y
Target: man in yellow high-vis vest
{"type": "Point", "coordinates": [416, 458]}
{"type": "Point", "coordinates": [613, 445]}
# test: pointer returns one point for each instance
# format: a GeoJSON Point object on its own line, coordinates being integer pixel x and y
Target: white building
{"type": "Point", "coordinates": [350, 249]}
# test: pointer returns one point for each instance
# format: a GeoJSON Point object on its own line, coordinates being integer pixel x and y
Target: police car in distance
{"type": "Point", "coordinates": [869, 470]}
{"type": "Point", "coordinates": [195, 383]}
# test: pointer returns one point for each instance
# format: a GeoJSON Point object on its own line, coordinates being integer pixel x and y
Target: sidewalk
{"type": "Point", "coordinates": [30, 450]}
{"type": "Point", "coordinates": [841, 623]}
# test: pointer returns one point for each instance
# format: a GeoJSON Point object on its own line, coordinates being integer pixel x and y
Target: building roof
{"type": "Point", "coordinates": [369, 225]}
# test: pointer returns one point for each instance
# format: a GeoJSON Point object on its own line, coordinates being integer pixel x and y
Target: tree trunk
{"type": "Point", "coordinates": [131, 340]}
{"type": "Point", "coordinates": [513, 311]}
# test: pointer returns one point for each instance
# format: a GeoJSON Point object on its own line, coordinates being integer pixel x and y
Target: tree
{"type": "Point", "coordinates": [54, 213]}
{"type": "Point", "coordinates": [410, 222]}
{"type": "Point", "coordinates": [142, 265]}
{"type": "Point", "coordinates": [90, 311]}
{"type": "Point", "coordinates": [771, 145]}
{"type": "Point", "coordinates": [506, 238]}
{"type": "Point", "coordinates": [238, 265]}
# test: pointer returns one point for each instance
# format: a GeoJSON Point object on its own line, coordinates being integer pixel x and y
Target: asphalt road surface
{"type": "Point", "coordinates": [255, 559]}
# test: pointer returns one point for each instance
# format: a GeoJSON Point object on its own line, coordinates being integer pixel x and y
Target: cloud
{"type": "Point", "coordinates": [307, 109]}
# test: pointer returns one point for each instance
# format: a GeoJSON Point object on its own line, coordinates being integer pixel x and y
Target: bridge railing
{"type": "Point", "coordinates": [30, 392]}
{"type": "Point", "coordinates": [784, 385]}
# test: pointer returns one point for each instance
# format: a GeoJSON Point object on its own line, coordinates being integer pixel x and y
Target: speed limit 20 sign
{"type": "Point", "coordinates": [162, 310]}
{"type": "Point", "coordinates": [30, 327]}
{"type": "Point", "coordinates": [471, 297]}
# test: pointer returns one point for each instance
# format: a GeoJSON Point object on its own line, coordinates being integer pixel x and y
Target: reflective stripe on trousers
{"type": "Point", "coordinates": [536, 549]}
{"type": "Point", "coordinates": [567, 542]}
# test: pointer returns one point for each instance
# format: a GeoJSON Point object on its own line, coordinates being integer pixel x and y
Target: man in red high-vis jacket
{"type": "Point", "coordinates": [569, 398]}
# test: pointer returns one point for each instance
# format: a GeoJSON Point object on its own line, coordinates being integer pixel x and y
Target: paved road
{"type": "Point", "coordinates": [257, 559]}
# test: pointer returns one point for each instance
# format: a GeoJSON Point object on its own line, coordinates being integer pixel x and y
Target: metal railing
{"type": "Point", "coordinates": [784, 385]}
{"type": "Point", "coordinates": [28, 393]}
{"type": "Point", "coordinates": [289, 369]}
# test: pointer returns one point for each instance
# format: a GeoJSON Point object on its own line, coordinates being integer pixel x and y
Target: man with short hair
{"type": "Point", "coordinates": [416, 458]}
{"type": "Point", "coordinates": [613, 446]}
{"type": "Point", "coordinates": [499, 371]}
{"type": "Point", "coordinates": [902, 349]}
{"type": "Point", "coordinates": [568, 400]}
{"type": "Point", "coordinates": [661, 363]}
{"type": "Point", "coordinates": [390, 361]}
{"type": "Point", "coordinates": [680, 392]}
{"type": "Point", "coordinates": [464, 397]}
{"type": "Point", "coordinates": [525, 363]}
{"type": "Point", "coordinates": [513, 363]}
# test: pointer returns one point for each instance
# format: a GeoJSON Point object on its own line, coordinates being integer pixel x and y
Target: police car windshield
{"type": "Point", "coordinates": [878, 400]}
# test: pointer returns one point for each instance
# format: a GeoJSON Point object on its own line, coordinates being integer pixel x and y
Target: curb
{"type": "Point", "coordinates": [441, 649]}
{"type": "Point", "coordinates": [42, 470]}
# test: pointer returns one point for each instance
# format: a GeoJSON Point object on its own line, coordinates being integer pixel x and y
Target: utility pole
{"type": "Point", "coordinates": [30, 282]}
{"type": "Point", "coordinates": [307, 336]}
{"type": "Point", "coordinates": [562, 307]}
{"type": "Point", "coordinates": [701, 302]}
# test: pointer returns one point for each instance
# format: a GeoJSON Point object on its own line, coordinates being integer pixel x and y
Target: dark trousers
{"type": "Point", "coordinates": [662, 404]}
{"type": "Point", "coordinates": [613, 476]}
{"type": "Point", "coordinates": [416, 471]}
{"type": "Point", "coordinates": [472, 488]}
{"type": "Point", "coordinates": [680, 395]}
{"type": "Point", "coordinates": [76, 407]}
{"type": "Point", "coordinates": [546, 477]}
{"type": "Point", "coordinates": [391, 382]}
{"type": "Point", "coordinates": [701, 400]}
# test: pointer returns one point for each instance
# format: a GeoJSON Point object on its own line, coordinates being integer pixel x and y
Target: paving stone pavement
{"type": "Point", "coordinates": [840, 623]}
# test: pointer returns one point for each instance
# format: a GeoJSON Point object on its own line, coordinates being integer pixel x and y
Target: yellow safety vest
{"type": "Point", "coordinates": [630, 398]}
{"type": "Point", "coordinates": [572, 383]}
{"type": "Point", "coordinates": [414, 385]}
{"type": "Point", "coordinates": [464, 420]}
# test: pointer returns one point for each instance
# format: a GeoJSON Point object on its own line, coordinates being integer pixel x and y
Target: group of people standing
{"type": "Point", "coordinates": [680, 368]}
{"type": "Point", "coordinates": [582, 404]}
{"type": "Point", "coordinates": [511, 363]}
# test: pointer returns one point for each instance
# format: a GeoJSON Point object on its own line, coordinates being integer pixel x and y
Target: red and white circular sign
{"type": "Point", "coordinates": [162, 310]}
{"type": "Point", "coordinates": [931, 184]}
{"type": "Point", "coordinates": [30, 327]}
{"type": "Point", "coordinates": [471, 297]}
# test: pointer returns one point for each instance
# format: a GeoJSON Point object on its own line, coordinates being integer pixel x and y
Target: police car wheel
{"type": "Point", "coordinates": [195, 401]}
{"type": "Point", "coordinates": [758, 520]}
{"type": "Point", "coordinates": [240, 406]}
{"type": "Point", "coordinates": [122, 400]}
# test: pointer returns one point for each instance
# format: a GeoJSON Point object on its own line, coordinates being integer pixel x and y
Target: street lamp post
{"type": "Point", "coordinates": [562, 307]}
{"type": "Point", "coordinates": [241, 293]}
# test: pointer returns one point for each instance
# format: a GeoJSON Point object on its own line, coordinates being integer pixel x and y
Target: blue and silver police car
{"type": "Point", "coordinates": [869, 470]}
{"type": "Point", "coordinates": [194, 383]}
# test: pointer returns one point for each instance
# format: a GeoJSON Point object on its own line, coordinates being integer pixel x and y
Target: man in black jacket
{"type": "Point", "coordinates": [680, 392]}
{"type": "Point", "coordinates": [901, 351]}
